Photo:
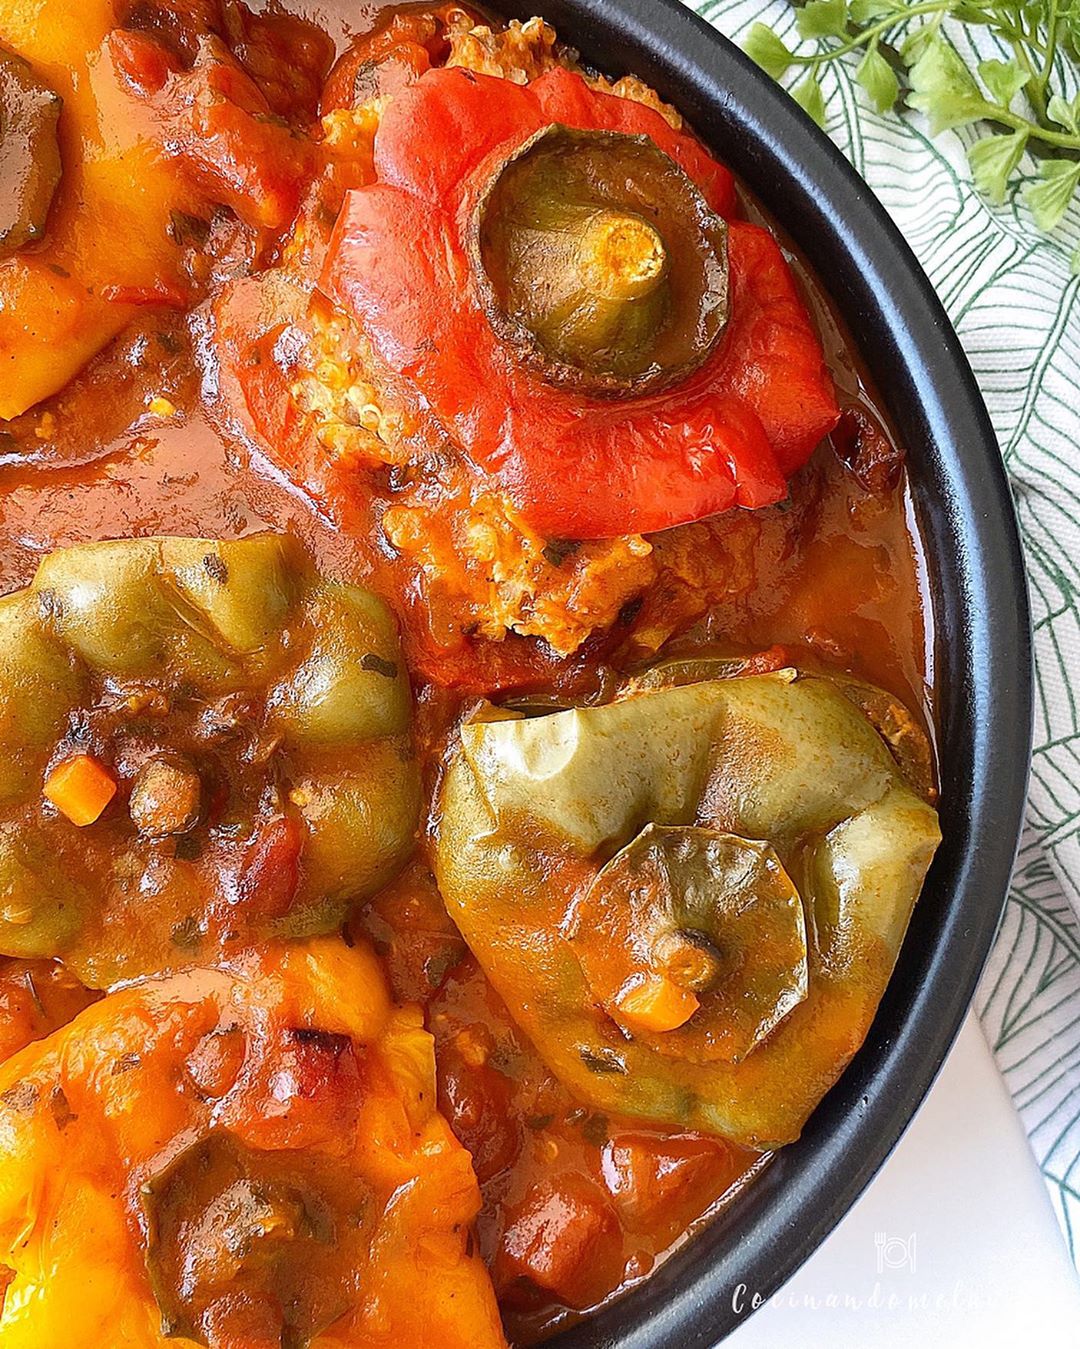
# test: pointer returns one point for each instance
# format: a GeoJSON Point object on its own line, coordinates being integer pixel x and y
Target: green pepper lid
{"type": "Point", "coordinates": [599, 263]}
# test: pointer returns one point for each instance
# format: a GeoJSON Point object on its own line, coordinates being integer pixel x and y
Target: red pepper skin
{"type": "Point", "coordinates": [771, 357]}
{"type": "Point", "coordinates": [575, 467]}
{"type": "Point", "coordinates": [256, 322]}
{"type": "Point", "coordinates": [442, 127]}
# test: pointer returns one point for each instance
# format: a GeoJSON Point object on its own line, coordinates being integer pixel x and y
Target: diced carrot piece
{"type": "Point", "coordinates": [653, 1002]}
{"type": "Point", "coordinates": [80, 788]}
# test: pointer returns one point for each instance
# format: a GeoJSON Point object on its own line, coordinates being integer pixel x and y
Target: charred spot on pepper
{"type": "Point", "coordinates": [599, 264]}
{"type": "Point", "coordinates": [216, 568]}
{"type": "Point", "coordinates": [187, 230]}
{"type": "Point", "coordinates": [60, 1109]}
{"type": "Point", "coordinates": [364, 84]}
{"type": "Point", "coordinates": [23, 1097]}
{"type": "Point", "coordinates": [30, 165]}
{"type": "Point", "coordinates": [168, 342]}
{"type": "Point", "coordinates": [318, 1067]}
{"type": "Point", "coordinates": [378, 665]}
{"type": "Point", "coordinates": [556, 551]}
{"type": "Point", "coordinates": [601, 1059]}
{"type": "Point", "coordinates": [325, 1041]}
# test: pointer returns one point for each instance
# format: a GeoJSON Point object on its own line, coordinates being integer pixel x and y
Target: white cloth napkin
{"type": "Point", "coordinates": [1016, 306]}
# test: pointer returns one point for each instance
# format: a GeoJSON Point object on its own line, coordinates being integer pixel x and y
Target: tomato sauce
{"type": "Point", "coordinates": [577, 1205]}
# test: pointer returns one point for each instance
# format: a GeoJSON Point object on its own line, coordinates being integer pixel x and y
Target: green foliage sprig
{"type": "Point", "coordinates": [904, 51]}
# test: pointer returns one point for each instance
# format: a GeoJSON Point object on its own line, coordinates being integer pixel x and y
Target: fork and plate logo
{"type": "Point", "coordinates": [894, 1253]}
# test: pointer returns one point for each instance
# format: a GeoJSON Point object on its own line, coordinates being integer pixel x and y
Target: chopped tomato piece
{"type": "Point", "coordinates": [649, 1175]}
{"type": "Point", "coordinates": [475, 1098]}
{"type": "Point", "coordinates": [653, 1002]}
{"type": "Point", "coordinates": [386, 60]}
{"type": "Point", "coordinates": [867, 452]}
{"type": "Point", "coordinates": [382, 63]}
{"type": "Point", "coordinates": [271, 871]}
{"type": "Point", "coordinates": [408, 925]}
{"type": "Point", "coordinates": [575, 466]}
{"type": "Point", "coordinates": [256, 325]}
{"type": "Point", "coordinates": [358, 81]}
{"type": "Point", "coordinates": [481, 668]}
{"type": "Point", "coordinates": [766, 662]}
{"type": "Point", "coordinates": [231, 146]}
{"type": "Point", "coordinates": [564, 1237]}
{"type": "Point", "coordinates": [80, 788]}
{"type": "Point", "coordinates": [287, 56]}
{"type": "Point", "coordinates": [141, 59]}
{"type": "Point", "coordinates": [37, 997]}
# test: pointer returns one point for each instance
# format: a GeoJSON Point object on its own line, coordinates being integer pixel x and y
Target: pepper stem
{"type": "Point", "coordinates": [622, 256]}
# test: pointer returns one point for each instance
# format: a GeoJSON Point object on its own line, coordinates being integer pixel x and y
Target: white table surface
{"type": "Point", "coordinates": [953, 1246]}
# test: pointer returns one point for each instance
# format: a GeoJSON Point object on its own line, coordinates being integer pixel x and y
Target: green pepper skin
{"type": "Point", "coordinates": [599, 263]}
{"type": "Point", "coordinates": [533, 807]}
{"type": "Point", "coordinates": [316, 670]}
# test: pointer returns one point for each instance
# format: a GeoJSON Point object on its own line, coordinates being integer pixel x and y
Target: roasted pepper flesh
{"type": "Point", "coordinates": [29, 152]}
{"type": "Point", "coordinates": [238, 1157]}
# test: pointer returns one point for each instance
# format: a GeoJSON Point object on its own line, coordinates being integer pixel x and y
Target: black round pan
{"type": "Point", "coordinates": [982, 664]}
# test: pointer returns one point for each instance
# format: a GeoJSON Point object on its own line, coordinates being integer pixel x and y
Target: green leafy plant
{"type": "Point", "coordinates": [904, 51]}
